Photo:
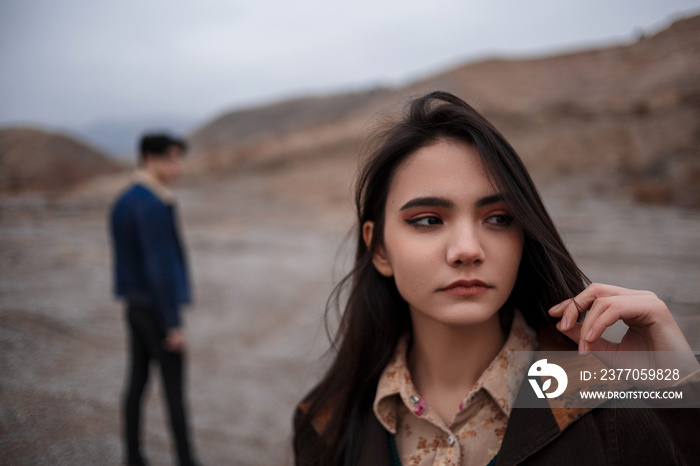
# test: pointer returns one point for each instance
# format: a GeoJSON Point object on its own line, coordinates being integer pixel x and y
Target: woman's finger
{"type": "Point", "coordinates": [610, 307]}
{"type": "Point", "coordinates": [599, 290]}
{"type": "Point", "coordinates": [570, 309]}
{"type": "Point", "coordinates": [574, 333]}
{"type": "Point", "coordinates": [569, 313]}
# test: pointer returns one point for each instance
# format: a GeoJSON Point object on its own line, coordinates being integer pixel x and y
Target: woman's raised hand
{"type": "Point", "coordinates": [651, 326]}
{"type": "Point", "coordinates": [652, 329]}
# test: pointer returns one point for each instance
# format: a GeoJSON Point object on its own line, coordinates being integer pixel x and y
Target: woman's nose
{"type": "Point", "coordinates": [464, 246]}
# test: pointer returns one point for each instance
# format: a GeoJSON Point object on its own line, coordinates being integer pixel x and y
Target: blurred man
{"type": "Point", "coordinates": [151, 276]}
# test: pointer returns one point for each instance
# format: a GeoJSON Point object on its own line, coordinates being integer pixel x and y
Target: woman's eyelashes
{"type": "Point", "coordinates": [425, 221]}
{"type": "Point", "coordinates": [428, 221]}
{"type": "Point", "coordinates": [501, 220]}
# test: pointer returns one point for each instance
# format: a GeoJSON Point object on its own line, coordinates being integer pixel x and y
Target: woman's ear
{"type": "Point", "coordinates": [379, 257]}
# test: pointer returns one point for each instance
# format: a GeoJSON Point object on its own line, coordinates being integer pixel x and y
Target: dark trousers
{"type": "Point", "coordinates": [146, 344]}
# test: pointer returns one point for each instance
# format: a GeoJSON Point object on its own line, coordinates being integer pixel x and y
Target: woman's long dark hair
{"type": "Point", "coordinates": [375, 315]}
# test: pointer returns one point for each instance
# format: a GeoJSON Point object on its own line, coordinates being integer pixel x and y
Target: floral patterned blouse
{"type": "Point", "coordinates": [475, 433]}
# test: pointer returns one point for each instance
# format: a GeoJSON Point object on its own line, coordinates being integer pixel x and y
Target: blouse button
{"type": "Point", "coordinates": [420, 407]}
{"type": "Point", "coordinates": [451, 440]}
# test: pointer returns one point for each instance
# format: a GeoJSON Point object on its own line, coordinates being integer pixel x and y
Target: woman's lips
{"type": "Point", "coordinates": [466, 288]}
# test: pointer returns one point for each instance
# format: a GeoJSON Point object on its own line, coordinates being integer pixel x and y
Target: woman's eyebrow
{"type": "Point", "coordinates": [492, 199]}
{"type": "Point", "coordinates": [448, 204]}
{"type": "Point", "coordinates": [428, 202]}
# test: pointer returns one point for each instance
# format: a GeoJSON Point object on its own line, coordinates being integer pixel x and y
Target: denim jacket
{"type": "Point", "coordinates": [150, 266]}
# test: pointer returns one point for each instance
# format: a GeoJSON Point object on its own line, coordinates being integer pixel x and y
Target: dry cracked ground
{"type": "Point", "coordinates": [265, 249]}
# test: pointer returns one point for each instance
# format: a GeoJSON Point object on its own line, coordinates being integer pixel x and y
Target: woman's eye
{"type": "Point", "coordinates": [424, 221]}
{"type": "Point", "coordinates": [500, 220]}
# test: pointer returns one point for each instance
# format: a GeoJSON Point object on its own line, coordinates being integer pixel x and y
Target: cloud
{"type": "Point", "coordinates": [73, 62]}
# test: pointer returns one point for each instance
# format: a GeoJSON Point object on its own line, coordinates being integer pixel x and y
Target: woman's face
{"type": "Point", "coordinates": [449, 241]}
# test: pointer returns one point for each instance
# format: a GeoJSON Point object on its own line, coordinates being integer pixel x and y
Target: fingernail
{"type": "Point", "coordinates": [563, 323]}
{"type": "Point", "coordinates": [589, 335]}
{"type": "Point", "coordinates": [555, 308]}
{"type": "Point", "coordinates": [582, 348]}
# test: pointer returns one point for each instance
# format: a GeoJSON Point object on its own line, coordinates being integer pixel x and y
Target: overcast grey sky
{"type": "Point", "coordinates": [70, 63]}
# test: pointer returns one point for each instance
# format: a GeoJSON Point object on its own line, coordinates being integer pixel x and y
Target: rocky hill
{"type": "Point", "coordinates": [624, 119]}
{"type": "Point", "coordinates": [626, 116]}
{"type": "Point", "coordinates": [317, 125]}
{"type": "Point", "coordinates": [34, 160]}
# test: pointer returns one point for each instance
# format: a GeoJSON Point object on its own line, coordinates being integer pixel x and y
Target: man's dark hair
{"type": "Point", "coordinates": [154, 145]}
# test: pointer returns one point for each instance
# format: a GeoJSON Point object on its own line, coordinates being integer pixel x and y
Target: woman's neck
{"type": "Point", "coordinates": [446, 361]}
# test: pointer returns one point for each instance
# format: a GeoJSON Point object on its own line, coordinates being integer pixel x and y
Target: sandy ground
{"type": "Point", "coordinates": [265, 250]}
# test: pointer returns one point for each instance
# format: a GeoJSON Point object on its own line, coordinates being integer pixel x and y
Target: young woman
{"type": "Point", "coordinates": [457, 263]}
